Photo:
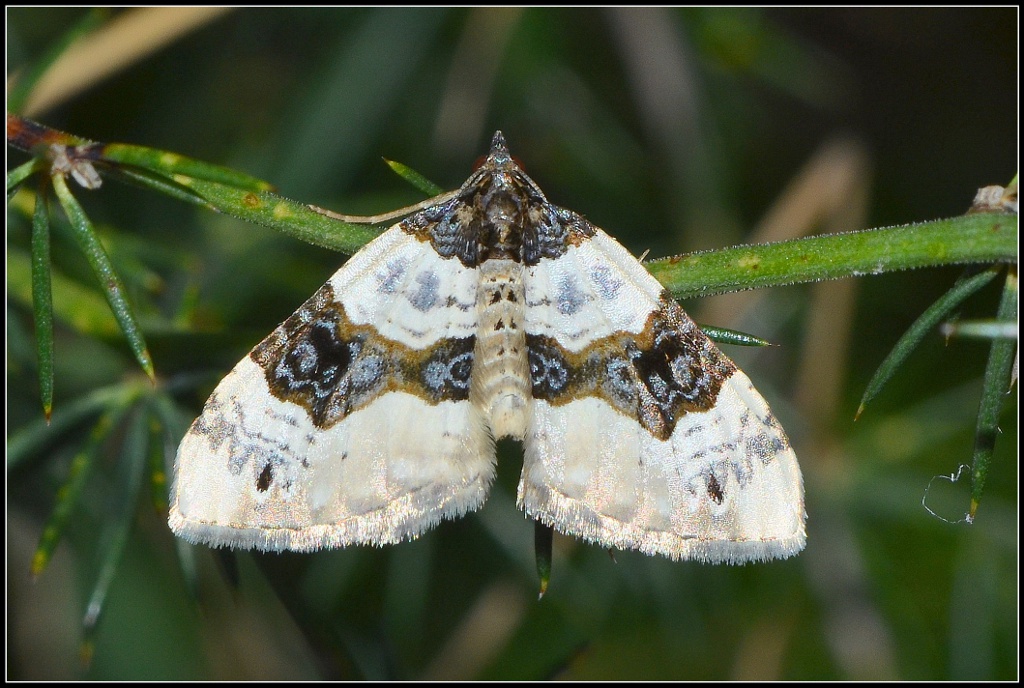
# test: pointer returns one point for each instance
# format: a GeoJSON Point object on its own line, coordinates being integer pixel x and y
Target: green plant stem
{"type": "Point", "coordinates": [981, 238]}
{"type": "Point", "coordinates": [976, 238]}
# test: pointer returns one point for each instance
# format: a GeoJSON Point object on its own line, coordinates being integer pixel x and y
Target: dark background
{"type": "Point", "coordinates": [675, 130]}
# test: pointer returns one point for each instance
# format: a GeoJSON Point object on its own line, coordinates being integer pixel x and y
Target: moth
{"type": "Point", "coordinates": [371, 414]}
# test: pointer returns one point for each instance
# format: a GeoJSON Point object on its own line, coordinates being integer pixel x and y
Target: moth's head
{"type": "Point", "coordinates": [500, 192]}
{"type": "Point", "coordinates": [499, 151]}
{"type": "Point", "coordinates": [498, 180]}
{"type": "Point", "coordinates": [498, 158]}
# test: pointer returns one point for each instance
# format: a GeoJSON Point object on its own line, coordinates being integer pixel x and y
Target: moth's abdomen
{"type": "Point", "coordinates": [501, 376]}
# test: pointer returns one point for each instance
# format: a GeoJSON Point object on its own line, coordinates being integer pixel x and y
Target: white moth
{"type": "Point", "coordinates": [371, 413]}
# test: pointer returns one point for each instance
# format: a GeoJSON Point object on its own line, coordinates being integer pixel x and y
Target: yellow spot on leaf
{"type": "Point", "coordinates": [750, 263]}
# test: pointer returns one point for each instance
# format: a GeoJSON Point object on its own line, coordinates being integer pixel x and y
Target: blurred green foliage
{"type": "Point", "coordinates": [673, 129]}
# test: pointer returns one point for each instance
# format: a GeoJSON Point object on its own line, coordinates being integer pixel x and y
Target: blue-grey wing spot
{"type": "Point", "coordinates": [446, 374]}
{"type": "Point", "coordinates": [389, 279]}
{"type": "Point", "coordinates": [606, 283]}
{"type": "Point", "coordinates": [570, 299]}
{"type": "Point", "coordinates": [329, 366]}
{"type": "Point", "coordinates": [425, 297]}
{"type": "Point", "coordinates": [619, 383]}
{"type": "Point", "coordinates": [549, 371]}
{"type": "Point", "coordinates": [367, 369]}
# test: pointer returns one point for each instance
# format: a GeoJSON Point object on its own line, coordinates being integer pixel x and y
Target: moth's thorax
{"type": "Point", "coordinates": [501, 201]}
{"type": "Point", "coordinates": [500, 385]}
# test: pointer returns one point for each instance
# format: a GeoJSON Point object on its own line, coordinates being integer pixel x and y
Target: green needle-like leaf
{"type": "Point", "coordinates": [157, 465]}
{"type": "Point", "coordinates": [543, 536]}
{"type": "Point", "coordinates": [42, 298]}
{"type": "Point", "coordinates": [71, 490]}
{"type": "Point", "coordinates": [415, 178]}
{"type": "Point", "coordinates": [32, 438]}
{"type": "Point", "coordinates": [174, 422]}
{"type": "Point", "coordinates": [78, 306]}
{"type": "Point", "coordinates": [158, 183]}
{"type": "Point", "coordinates": [21, 173]}
{"type": "Point", "coordinates": [170, 164]}
{"type": "Point", "coordinates": [109, 281]}
{"type": "Point", "coordinates": [921, 327]}
{"type": "Point", "coordinates": [993, 393]}
{"type": "Point", "coordinates": [119, 525]}
{"type": "Point", "coordinates": [723, 335]}
{"type": "Point", "coordinates": [292, 218]}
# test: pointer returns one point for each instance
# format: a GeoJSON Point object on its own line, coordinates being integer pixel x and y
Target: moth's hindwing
{"type": "Point", "coordinates": [643, 435]}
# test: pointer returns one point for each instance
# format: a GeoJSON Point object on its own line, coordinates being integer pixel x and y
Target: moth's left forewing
{"type": "Point", "coordinates": [643, 435]}
{"type": "Point", "coordinates": [351, 422]}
